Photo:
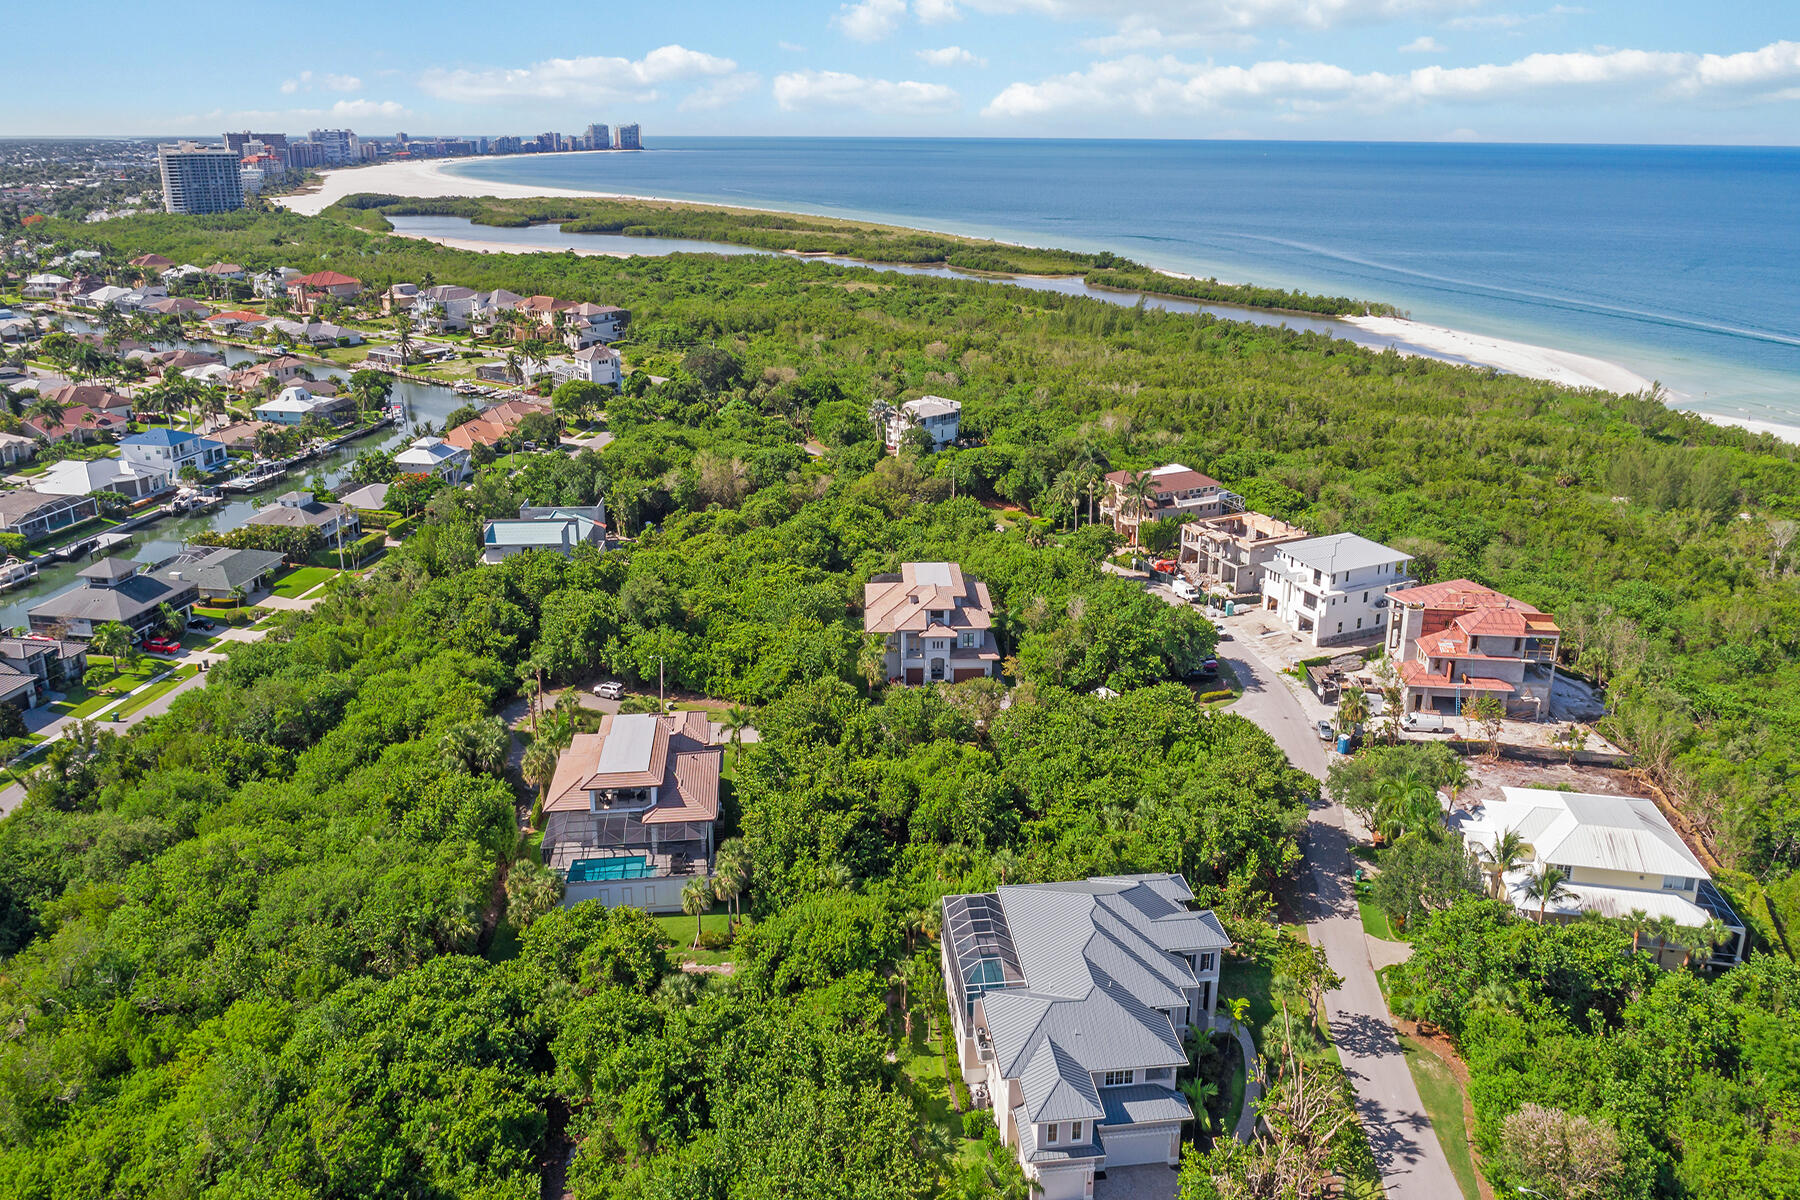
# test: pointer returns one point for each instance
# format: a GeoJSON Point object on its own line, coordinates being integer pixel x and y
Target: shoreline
{"type": "Point", "coordinates": [431, 179]}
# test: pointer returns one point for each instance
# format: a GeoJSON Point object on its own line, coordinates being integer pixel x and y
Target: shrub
{"type": "Point", "coordinates": [13, 544]}
{"type": "Point", "coordinates": [1215, 697]}
{"type": "Point", "coordinates": [400, 528]}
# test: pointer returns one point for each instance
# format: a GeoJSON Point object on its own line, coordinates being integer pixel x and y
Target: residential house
{"type": "Point", "coordinates": [179, 306]}
{"type": "Point", "coordinates": [84, 477]}
{"type": "Point", "coordinates": [15, 448]}
{"type": "Point", "coordinates": [174, 449]}
{"type": "Point", "coordinates": [181, 360]}
{"type": "Point", "coordinates": [434, 456]}
{"type": "Point", "coordinates": [221, 574]}
{"type": "Point", "coordinates": [37, 515]}
{"type": "Point", "coordinates": [238, 435]}
{"type": "Point", "coordinates": [559, 530]}
{"type": "Point", "coordinates": [1068, 1002]}
{"type": "Point", "coordinates": [272, 283]}
{"type": "Point", "coordinates": [91, 396]}
{"type": "Point", "coordinates": [1618, 854]}
{"type": "Point", "coordinates": [43, 286]}
{"type": "Point", "coordinates": [18, 690]}
{"type": "Point", "coordinates": [299, 510]}
{"type": "Point", "coordinates": [237, 321]}
{"type": "Point", "coordinates": [443, 307]}
{"type": "Point", "coordinates": [109, 296]}
{"type": "Point", "coordinates": [544, 311]}
{"type": "Point", "coordinates": [399, 298]}
{"type": "Point", "coordinates": [939, 417]}
{"type": "Point", "coordinates": [370, 497]}
{"type": "Point", "coordinates": [391, 356]}
{"type": "Point", "coordinates": [78, 423]}
{"type": "Point", "coordinates": [586, 325]}
{"type": "Point", "coordinates": [1333, 589]}
{"type": "Point", "coordinates": [317, 333]}
{"type": "Point", "coordinates": [1177, 492]}
{"type": "Point", "coordinates": [938, 623]}
{"type": "Point", "coordinates": [224, 271]}
{"type": "Point", "coordinates": [77, 289]}
{"type": "Point", "coordinates": [294, 403]}
{"type": "Point", "coordinates": [494, 424]}
{"type": "Point", "coordinates": [1458, 639]}
{"type": "Point", "coordinates": [596, 364]}
{"type": "Point", "coordinates": [487, 308]}
{"type": "Point", "coordinates": [305, 292]}
{"type": "Point", "coordinates": [630, 811]}
{"type": "Point", "coordinates": [215, 373]}
{"type": "Point", "coordinates": [55, 664]}
{"type": "Point", "coordinates": [113, 590]}
{"type": "Point", "coordinates": [151, 262]}
{"type": "Point", "coordinates": [1229, 551]}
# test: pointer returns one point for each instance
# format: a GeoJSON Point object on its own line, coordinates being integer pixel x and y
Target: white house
{"type": "Point", "coordinates": [434, 456]}
{"type": "Point", "coordinates": [596, 364]}
{"type": "Point", "coordinates": [445, 306]}
{"type": "Point", "coordinates": [1619, 854]}
{"type": "Point", "coordinates": [273, 282]}
{"type": "Point", "coordinates": [79, 477]}
{"type": "Point", "coordinates": [1067, 1004]}
{"type": "Point", "coordinates": [42, 287]}
{"type": "Point", "coordinates": [937, 416]}
{"type": "Point", "coordinates": [559, 530]}
{"type": "Point", "coordinates": [937, 623]}
{"type": "Point", "coordinates": [294, 404]}
{"type": "Point", "coordinates": [170, 450]}
{"type": "Point", "coordinates": [1333, 589]}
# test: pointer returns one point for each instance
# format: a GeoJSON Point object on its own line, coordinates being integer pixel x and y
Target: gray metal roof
{"type": "Point", "coordinates": [1141, 1104]}
{"type": "Point", "coordinates": [1033, 1151]}
{"type": "Point", "coordinates": [1055, 1088]}
{"type": "Point", "coordinates": [125, 601]}
{"type": "Point", "coordinates": [1341, 552]}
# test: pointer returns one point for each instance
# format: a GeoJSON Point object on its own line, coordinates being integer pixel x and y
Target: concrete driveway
{"type": "Point", "coordinates": [1153, 1181]}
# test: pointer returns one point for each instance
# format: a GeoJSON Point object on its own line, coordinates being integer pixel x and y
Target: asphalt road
{"type": "Point", "coordinates": [1407, 1152]}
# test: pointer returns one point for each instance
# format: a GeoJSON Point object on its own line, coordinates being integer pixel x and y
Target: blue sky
{"type": "Point", "coordinates": [1495, 70]}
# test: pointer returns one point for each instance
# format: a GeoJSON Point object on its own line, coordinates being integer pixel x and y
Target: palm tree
{"type": "Point", "coordinates": [1239, 1008]}
{"type": "Point", "coordinates": [1547, 885]}
{"type": "Point", "coordinates": [1494, 996]}
{"type": "Point", "coordinates": [1005, 860]}
{"type": "Point", "coordinates": [1666, 931]}
{"type": "Point", "coordinates": [696, 901]}
{"type": "Point", "coordinates": [735, 721]}
{"type": "Point", "coordinates": [1507, 852]}
{"type": "Point", "coordinates": [1138, 499]}
{"type": "Point", "coordinates": [1710, 936]}
{"type": "Point", "coordinates": [1352, 710]}
{"type": "Point", "coordinates": [403, 339]}
{"type": "Point", "coordinates": [1405, 803]}
{"type": "Point", "coordinates": [1636, 922]}
{"type": "Point", "coordinates": [47, 410]}
{"type": "Point", "coordinates": [114, 640]}
{"type": "Point", "coordinates": [731, 872]}
{"type": "Point", "coordinates": [1199, 1092]}
{"type": "Point", "coordinates": [539, 766]}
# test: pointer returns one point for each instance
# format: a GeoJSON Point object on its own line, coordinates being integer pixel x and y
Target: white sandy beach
{"type": "Point", "coordinates": [429, 178]}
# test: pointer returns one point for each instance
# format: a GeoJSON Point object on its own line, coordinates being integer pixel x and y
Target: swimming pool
{"type": "Point", "coordinates": [618, 866]}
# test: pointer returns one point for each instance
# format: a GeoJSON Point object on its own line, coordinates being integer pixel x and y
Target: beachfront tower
{"type": "Point", "coordinates": [628, 137]}
{"type": "Point", "coordinates": [200, 179]}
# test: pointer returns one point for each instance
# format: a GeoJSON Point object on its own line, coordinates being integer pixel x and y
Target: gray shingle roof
{"type": "Point", "coordinates": [1142, 1103]}
{"type": "Point", "coordinates": [218, 568]}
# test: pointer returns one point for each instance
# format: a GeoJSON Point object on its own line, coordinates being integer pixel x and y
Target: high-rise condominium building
{"type": "Point", "coordinates": [599, 137]}
{"type": "Point", "coordinates": [336, 146]}
{"type": "Point", "coordinates": [628, 137]}
{"type": "Point", "coordinates": [200, 179]}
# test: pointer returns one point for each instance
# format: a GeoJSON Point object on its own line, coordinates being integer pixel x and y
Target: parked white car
{"type": "Point", "coordinates": [612, 689]}
{"type": "Point", "coordinates": [1184, 590]}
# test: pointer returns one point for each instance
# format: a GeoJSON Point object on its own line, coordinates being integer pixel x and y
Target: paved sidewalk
{"type": "Point", "coordinates": [1253, 1086]}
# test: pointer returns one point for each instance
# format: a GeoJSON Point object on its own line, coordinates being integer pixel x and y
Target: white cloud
{"type": "Point", "coordinates": [838, 90]}
{"type": "Point", "coordinates": [870, 20]}
{"type": "Point", "coordinates": [952, 56]}
{"type": "Point", "coordinates": [305, 80]}
{"type": "Point", "coordinates": [725, 92]}
{"type": "Point", "coordinates": [1512, 20]}
{"type": "Point", "coordinates": [343, 112]}
{"type": "Point", "coordinates": [1423, 44]}
{"type": "Point", "coordinates": [936, 12]}
{"type": "Point", "coordinates": [1161, 86]}
{"type": "Point", "coordinates": [343, 83]}
{"type": "Point", "coordinates": [351, 110]}
{"type": "Point", "coordinates": [590, 78]}
{"type": "Point", "coordinates": [1172, 19]}
{"type": "Point", "coordinates": [792, 47]}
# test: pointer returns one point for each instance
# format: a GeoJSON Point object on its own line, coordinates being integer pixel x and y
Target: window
{"type": "Point", "coordinates": [1676, 883]}
{"type": "Point", "coordinates": [1049, 1133]}
{"type": "Point", "coordinates": [1365, 597]}
{"type": "Point", "coordinates": [1115, 1079]}
{"type": "Point", "coordinates": [1359, 622]}
{"type": "Point", "coordinates": [1074, 1131]}
{"type": "Point", "coordinates": [1340, 627]}
{"type": "Point", "coordinates": [1206, 962]}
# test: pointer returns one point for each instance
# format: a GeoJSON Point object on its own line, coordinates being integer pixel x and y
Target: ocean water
{"type": "Point", "coordinates": [1682, 263]}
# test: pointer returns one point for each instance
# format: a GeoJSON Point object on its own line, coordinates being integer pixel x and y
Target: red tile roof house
{"type": "Point", "coordinates": [79, 422]}
{"type": "Point", "coordinates": [1457, 639]}
{"type": "Point", "coordinates": [1181, 492]}
{"type": "Point", "coordinates": [306, 291]}
{"type": "Point", "coordinates": [630, 811]}
{"type": "Point", "coordinates": [938, 623]}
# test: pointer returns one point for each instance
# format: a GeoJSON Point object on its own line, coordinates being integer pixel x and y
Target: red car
{"type": "Point", "coordinates": [162, 645]}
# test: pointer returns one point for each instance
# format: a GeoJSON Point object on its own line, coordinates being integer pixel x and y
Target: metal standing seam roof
{"type": "Point", "coordinates": [1032, 1151]}
{"type": "Point", "coordinates": [1056, 1088]}
{"type": "Point", "coordinates": [1342, 552]}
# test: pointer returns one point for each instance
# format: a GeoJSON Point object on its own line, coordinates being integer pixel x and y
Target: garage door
{"type": "Point", "coordinates": [915, 675]}
{"type": "Point", "coordinates": [1131, 1146]}
{"type": "Point", "coordinates": [962, 673]}
{"type": "Point", "coordinates": [1069, 1183]}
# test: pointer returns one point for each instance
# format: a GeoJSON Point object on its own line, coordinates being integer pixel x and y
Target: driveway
{"type": "Point", "coordinates": [1407, 1152]}
{"type": "Point", "coordinates": [1152, 1181]}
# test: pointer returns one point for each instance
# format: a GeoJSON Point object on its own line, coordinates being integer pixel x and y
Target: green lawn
{"type": "Point", "coordinates": [922, 1060]}
{"type": "Point", "coordinates": [301, 580]}
{"type": "Point", "coordinates": [1255, 981]}
{"type": "Point", "coordinates": [1443, 1099]}
{"type": "Point", "coordinates": [110, 682]}
{"type": "Point", "coordinates": [182, 673]}
{"type": "Point", "coordinates": [679, 928]}
{"type": "Point", "coordinates": [1375, 922]}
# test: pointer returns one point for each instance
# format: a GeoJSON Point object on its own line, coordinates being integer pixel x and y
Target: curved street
{"type": "Point", "coordinates": [1411, 1161]}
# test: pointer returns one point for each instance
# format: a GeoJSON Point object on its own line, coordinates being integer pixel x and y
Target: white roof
{"type": "Point", "coordinates": [208, 372]}
{"type": "Point", "coordinates": [294, 399]}
{"type": "Point", "coordinates": [1578, 829]}
{"type": "Point", "coordinates": [74, 477]}
{"type": "Point", "coordinates": [1342, 552]}
{"type": "Point", "coordinates": [629, 745]}
{"type": "Point", "coordinates": [932, 406]}
{"type": "Point", "coordinates": [47, 279]}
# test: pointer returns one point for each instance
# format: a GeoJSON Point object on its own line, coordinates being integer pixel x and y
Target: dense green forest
{"type": "Point", "coordinates": [828, 235]}
{"type": "Point", "coordinates": [268, 933]}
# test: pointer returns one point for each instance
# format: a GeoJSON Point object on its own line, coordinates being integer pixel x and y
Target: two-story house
{"type": "Point", "coordinates": [1176, 491]}
{"type": "Point", "coordinates": [628, 816]}
{"type": "Point", "coordinates": [443, 307]}
{"type": "Point", "coordinates": [1333, 589]}
{"type": "Point", "coordinates": [587, 325]}
{"type": "Point", "coordinates": [113, 590]}
{"type": "Point", "coordinates": [938, 623]}
{"type": "Point", "coordinates": [172, 450]}
{"type": "Point", "coordinates": [336, 523]}
{"type": "Point", "coordinates": [593, 364]}
{"type": "Point", "coordinates": [560, 530]}
{"type": "Point", "coordinates": [1231, 551]}
{"type": "Point", "coordinates": [307, 291]}
{"type": "Point", "coordinates": [1458, 639]}
{"type": "Point", "coordinates": [434, 456]}
{"type": "Point", "coordinates": [1068, 1002]}
{"type": "Point", "coordinates": [1619, 855]}
{"type": "Point", "coordinates": [939, 417]}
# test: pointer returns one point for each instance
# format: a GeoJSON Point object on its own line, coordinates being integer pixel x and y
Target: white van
{"type": "Point", "coordinates": [1184, 590]}
{"type": "Point", "coordinates": [1423, 722]}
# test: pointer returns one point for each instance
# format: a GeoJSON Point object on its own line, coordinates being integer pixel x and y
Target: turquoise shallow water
{"type": "Point", "coordinates": [1682, 263]}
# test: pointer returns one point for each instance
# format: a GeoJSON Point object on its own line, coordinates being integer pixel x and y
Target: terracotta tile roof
{"type": "Point", "coordinates": [1172, 478]}
{"type": "Point", "coordinates": [325, 279]}
{"type": "Point", "coordinates": [892, 605]}
{"type": "Point", "coordinates": [1415, 674]}
{"type": "Point", "coordinates": [680, 764]}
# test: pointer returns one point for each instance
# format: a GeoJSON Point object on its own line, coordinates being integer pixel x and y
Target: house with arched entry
{"type": "Point", "coordinates": [938, 622]}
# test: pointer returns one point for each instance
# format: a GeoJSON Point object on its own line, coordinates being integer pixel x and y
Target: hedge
{"type": "Point", "coordinates": [377, 518]}
{"type": "Point", "coordinates": [402, 527]}
{"type": "Point", "coordinates": [1215, 697]}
